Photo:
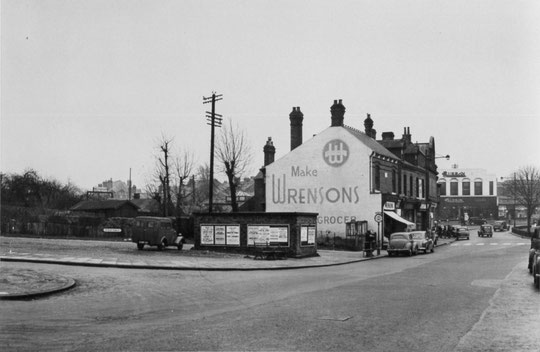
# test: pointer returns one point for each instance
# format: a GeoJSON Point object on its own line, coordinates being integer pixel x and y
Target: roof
{"type": "Point", "coordinates": [147, 205]}
{"type": "Point", "coordinates": [370, 142]}
{"type": "Point", "coordinates": [96, 205]}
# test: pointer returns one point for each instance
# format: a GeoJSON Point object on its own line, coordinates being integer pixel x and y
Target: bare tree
{"type": "Point", "coordinates": [524, 187]}
{"type": "Point", "coordinates": [234, 153]}
{"type": "Point", "coordinates": [162, 174]}
{"type": "Point", "coordinates": [183, 169]}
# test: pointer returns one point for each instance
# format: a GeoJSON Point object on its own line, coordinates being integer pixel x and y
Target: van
{"type": "Point", "coordinates": [155, 231]}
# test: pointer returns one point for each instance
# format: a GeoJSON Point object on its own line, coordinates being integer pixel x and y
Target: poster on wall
{"type": "Point", "coordinates": [311, 235]}
{"type": "Point", "coordinates": [307, 235]}
{"type": "Point", "coordinates": [207, 234]}
{"type": "Point", "coordinates": [219, 235]}
{"type": "Point", "coordinates": [268, 234]}
{"type": "Point", "coordinates": [303, 234]}
{"type": "Point", "coordinates": [233, 235]}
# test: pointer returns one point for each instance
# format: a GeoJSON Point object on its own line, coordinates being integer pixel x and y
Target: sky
{"type": "Point", "coordinates": [89, 88]}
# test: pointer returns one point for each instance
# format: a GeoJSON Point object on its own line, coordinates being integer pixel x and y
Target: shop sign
{"type": "Point", "coordinates": [423, 206]}
{"type": "Point", "coordinates": [390, 206]}
{"type": "Point", "coordinates": [453, 174]}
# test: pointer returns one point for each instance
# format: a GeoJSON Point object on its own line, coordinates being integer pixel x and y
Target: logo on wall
{"type": "Point", "coordinates": [336, 153]}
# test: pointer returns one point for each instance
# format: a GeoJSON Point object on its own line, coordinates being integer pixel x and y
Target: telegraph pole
{"type": "Point", "coordinates": [214, 120]}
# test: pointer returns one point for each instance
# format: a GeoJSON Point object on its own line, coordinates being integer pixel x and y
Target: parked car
{"type": "Point", "coordinates": [461, 232]}
{"type": "Point", "coordinates": [401, 242]}
{"type": "Point", "coordinates": [155, 231]}
{"type": "Point", "coordinates": [485, 231]}
{"type": "Point", "coordinates": [534, 257]}
{"type": "Point", "coordinates": [500, 225]}
{"type": "Point", "coordinates": [423, 241]}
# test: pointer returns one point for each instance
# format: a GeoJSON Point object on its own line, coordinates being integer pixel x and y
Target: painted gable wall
{"type": "Point", "coordinates": [313, 179]}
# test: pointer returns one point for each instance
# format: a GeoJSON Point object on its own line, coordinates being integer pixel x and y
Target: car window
{"type": "Point", "coordinates": [151, 224]}
{"type": "Point", "coordinates": [418, 236]}
{"type": "Point", "coordinates": [399, 237]}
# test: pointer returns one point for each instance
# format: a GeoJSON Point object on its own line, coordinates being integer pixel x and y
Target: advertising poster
{"type": "Point", "coordinates": [258, 234]}
{"type": "Point", "coordinates": [219, 235]}
{"type": "Point", "coordinates": [207, 234]}
{"type": "Point", "coordinates": [283, 235]}
{"type": "Point", "coordinates": [233, 235]}
{"type": "Point", "coordinates": [311, 235]}
{"type": "Point", "coordinates": [303, 234]}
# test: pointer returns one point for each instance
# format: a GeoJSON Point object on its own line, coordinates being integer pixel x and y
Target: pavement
{"type": "Point", "coordinates": [28, 284]}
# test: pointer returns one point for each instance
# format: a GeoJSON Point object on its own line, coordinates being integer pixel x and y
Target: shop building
{"type": "Point", "coordinates": [467, 193]}
{"type": "Point", "coordinates": [344, 175]}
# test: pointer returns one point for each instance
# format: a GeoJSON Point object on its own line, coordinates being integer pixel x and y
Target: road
{"type": "Point", "coordinates": [469, 296]}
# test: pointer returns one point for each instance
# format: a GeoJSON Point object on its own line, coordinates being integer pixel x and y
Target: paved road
{"type": "Point", "coordinates": [463, 297]}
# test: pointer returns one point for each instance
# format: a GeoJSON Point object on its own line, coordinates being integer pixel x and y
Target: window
{"type": "Point", "coordinates": [417, 187]}
{"type": "Point", "coordinates": [478, 187]}
{"type": "Point", "coordinates": [405, 184]}
{"type": "Point", "coordinates": [466, 187]}
{"type": "Point", "coordinates": [453, 187]}
{"type": "Point", "coordinates": [443, 188]}
{"type": "Point", "coordinates": [411, 186]}
{"type": "Point", "coordinates": [394, 186]}
{"type": "Point", "coordinates": [490, 188]}
{"type": "Point", "coordinates": [377, 177]}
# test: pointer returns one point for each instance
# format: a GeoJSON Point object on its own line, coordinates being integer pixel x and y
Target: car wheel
{"type": "Point", "coordinates": [432, 249]}
{"type": "Point", "coordinates": [410, 252]}
{"type": "Point", "coordinates": [140, 246]}
{"type": "Point", "coordinates": [162, 245]}
{"type": "Point", "coordinates": [180, 246]}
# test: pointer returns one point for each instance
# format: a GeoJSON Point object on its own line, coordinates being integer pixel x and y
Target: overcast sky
{"type": "Point", "coordinates": [89, 87]}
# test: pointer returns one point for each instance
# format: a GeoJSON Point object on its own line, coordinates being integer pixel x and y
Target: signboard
{"type": "Point", "coordinates": [112, 230]}
{"type": "Point", "coordinates": [268, 234]}
{"type": "Point", "coordinates": [307, 235]}
{"type": "Point", "coordinates": [220, 235]}
{"type": "Point", "coordinates": [389, 206]}
{"type": "Point", "coordinates": [233, 235]}
{"type": "Point", "coordinates": [207, 234]}
{"type": "Point", "coordinates": [378, 217]}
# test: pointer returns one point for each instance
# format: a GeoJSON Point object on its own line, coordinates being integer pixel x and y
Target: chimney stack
{"type": "Point", "coordinates": [296, 118]}
{"type": "Point", "coordinates": [338, 111]}
{"type": "Point", "coordinates": [388, 136]}
{"type": "Point", "coordinates": [368, 127]}
{"type": "Point", "coordinates": [269, 152]}
{"type": "Point", "coordinates": [406, 134]}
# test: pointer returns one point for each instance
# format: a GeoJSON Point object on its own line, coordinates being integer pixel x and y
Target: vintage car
{"type": "Point", "coordinates": [401, 242]}
{"type": "Point", "coordinates": [534, 257]}
{"type": "Point", "coordinates": [155, 231]}
{"type": "Point", "coordinates": [500, 225]}
{"type": "Point", "coordinates": [485, 231]}
{"type": "Point", "coordinates": [423, 241]}
{"type": "Point", "coordinates": [461, 232]}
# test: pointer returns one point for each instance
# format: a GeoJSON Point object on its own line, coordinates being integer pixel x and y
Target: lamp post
{"type": "Point", "coordinates": [514, 201]}
{"type": "Point", "coordinates": [447, 157]}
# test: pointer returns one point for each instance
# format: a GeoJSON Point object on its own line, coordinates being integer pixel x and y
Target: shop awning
{"type": "Point", "coordinates": [399, 218]}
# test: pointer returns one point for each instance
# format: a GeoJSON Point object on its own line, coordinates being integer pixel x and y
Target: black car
{"type": "Point", "coordinates": [500, 225]}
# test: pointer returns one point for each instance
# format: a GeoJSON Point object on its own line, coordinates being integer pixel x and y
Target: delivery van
{"type": "Point", "coordinates": [155, 231]}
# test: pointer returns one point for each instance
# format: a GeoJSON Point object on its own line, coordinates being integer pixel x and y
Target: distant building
{"type": "Point", "coordinates": [107, 208]}
{"type": "Point", "coordinates": [466, 193]}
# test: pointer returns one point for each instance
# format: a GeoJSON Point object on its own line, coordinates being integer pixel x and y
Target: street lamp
{"type": "Point", "coordinates": [514, 201]}
{"type": "Point", "coordinates": [447, 157]}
